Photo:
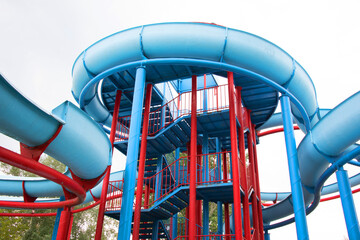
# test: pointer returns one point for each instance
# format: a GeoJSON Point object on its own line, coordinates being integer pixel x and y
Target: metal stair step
{"type": "Point", "coordinates": [170, 207]}
{"type": "Point", "coordinates": [177, 202]}
{"type": "Point", "coordinates": [183, 196]}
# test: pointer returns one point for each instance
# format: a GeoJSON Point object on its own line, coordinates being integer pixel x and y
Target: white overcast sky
{"type": "Point", "coordinates": [39, 41]}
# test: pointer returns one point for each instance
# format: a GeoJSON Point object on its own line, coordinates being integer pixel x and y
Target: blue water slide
{"type": "Point", "coordinates": [219, 49]}
{"type": "Point", "coordinates": [81, 144]}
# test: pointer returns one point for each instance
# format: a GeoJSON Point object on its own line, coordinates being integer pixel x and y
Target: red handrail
{"type": "Point", "coordinates": [209, 100]}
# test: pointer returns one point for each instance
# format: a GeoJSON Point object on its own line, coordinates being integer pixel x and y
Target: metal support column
{"type": "Point", "coordinates": [104, 190]}
{"type": "Point", "coordinates": [193, 160]}
{"type": "Point", "coordinates": [242, 165]}
{"type": "Point", "coordinates": [142, 159]}
{"type": "Point", "coordinates": [252, 134]}
{"type": "Point", "coordinates": [132, 156]}
{"type": "Point", "coordinates": [205, 150]}
{"type": "Point", "coordinates": [296, 186]}
{"type": "Point", "coordinates": [57, 220]}
{"type": "Point", "coordinates": [235, 162]}
{"type": "Point", "coordinates": [347, 201]}
{"type": "Point", "coordinates": [219, 203]}
{"type": "Point", "coordinates": [155, 230]}
{"type": "Point", "coordinates": [175, 217]}
{"type": "Point", "coordinates": [64, 224]}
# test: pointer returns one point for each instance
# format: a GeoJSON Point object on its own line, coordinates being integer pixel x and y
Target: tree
{"type": "Point", "coordinates": [38, 228]}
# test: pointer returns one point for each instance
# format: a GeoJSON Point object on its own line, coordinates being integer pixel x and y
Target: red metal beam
{"type": "Point", "coordinates": [193, 157]}
{"type": "Point", "coordinates": [256, 176]}
{"type": "Point", "coordinates": [275, 130]}
{"type": "Point", "coordinates": [64, 224]}
{"type": "Point", "coordinates": [243, 170]}
{"type": "Point", "coordinates": [104, 190]}
{"type": "Point", "coordinates": [234, 161]}
{"type": "Point", "coordinates": [42, 170]}
{"type": "Point", "coordinates": [140, 181]}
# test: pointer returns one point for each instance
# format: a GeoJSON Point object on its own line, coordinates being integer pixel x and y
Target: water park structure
{"type": "Point", "coordinates": [189, 141]}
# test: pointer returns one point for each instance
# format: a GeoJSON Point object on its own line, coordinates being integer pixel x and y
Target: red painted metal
{"type": "Point", "coordinates": [227, 220]}
{"type": "Point", "coordinates": [256, 178]}
{"type": "Point", "coordinates": [234, 155]}
{"type": "Point", "coordinates": [64, 224]}
{"type": "Point", "coordinates": [193, 160]}
{"type": "Point", "coordinates": [42, 170]}
{"type": "Point", "coordinates": [179, 106]}
{"type": "Point", "coordinates": [87, 184]}
{"type": "Point", "coordinates": [104, 190]}
{"type": "Point", "coordinates": [140, 181]}
{"type": "Point", "coordinates": [243, 167]}
{"type": "Point", "coordinates": [70, 225]}
{"type": "Point", "coordinates": [27, 197]}
{"type": "Point", "coordinates": [147, 196]}
{"type": "Point", "coordinates": [35, 152]}
{"type": "Point", "coordinates": [254, 197]}
{"type": "Point", "coordinates": [275, 130]}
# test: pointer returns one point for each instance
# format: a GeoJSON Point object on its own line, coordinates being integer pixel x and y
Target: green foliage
{"type": "Point", "coordinates": [39, 228]}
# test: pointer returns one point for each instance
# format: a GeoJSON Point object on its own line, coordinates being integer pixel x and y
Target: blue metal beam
{"type": "Point", "coordinates": [132, 157]}
{"type": "Point", "coordinates": [347, 201]}
{"type": "Point", "coordinates": [296, 186]}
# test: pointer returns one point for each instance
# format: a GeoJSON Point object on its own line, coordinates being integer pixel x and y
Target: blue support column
{"type": "Point", "coordinates": [174, 226]}
{"type": "Point", "coordinates": [159, 178]}
{"type": "Point", "coordinates": [267, 235]}
{"type": "Point", "coordinates": [296, 186]}
{"type": "Point", "coordinates": [347, 201]}
{"type": "Point", "coordinates": [219, 176]}
{"type": "Point", "coordinates": [126, 211]}
{"type": "Point", "coordinates": [155, 230]}
{"type": "Point", "coordinates": [163, 110]}
{"type": "Point", "coordinates": [57, 220]}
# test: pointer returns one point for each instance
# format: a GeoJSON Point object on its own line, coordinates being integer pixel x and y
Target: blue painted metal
{"type": "Point", "coordinates": [219, 204]}
{"type": "Point", "coordinates": [159, 177]}
{"type": "Point", "coordinates": [347, 201]}
{"type": "Point", "coordinates": [57, 220]}
{"type": "Point", "coordinates": [303, 115]}
{"type": "Point", "coordinates": [267, 235]}
{"type": "Point", "coordinates": [296, 187]}
{"type": "Point", "coordinates": [155, 230]}
{"type": "Point", "coordinates": [133, 154]}
{"type": "Point", "coordinates": [174, 226]}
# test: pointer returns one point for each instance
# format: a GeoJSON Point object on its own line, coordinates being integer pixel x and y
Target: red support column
{"type": "Point", "coordinates": [147, 195]}
{"type": "Point", "coordinates": [227, 221]}
{"type": "Point", "coordinates": [104, 190]}
{"type": "Point", "coordinates": [70, 225]}
{"type": "Point", "coordinates": [193, 154]}
{"type": "Point", "coordinates": [254, 199]}
{"type": "Point", "coordinates": [140, 182]}
{"type": "Point", "coordinates": [226, 205]}
{"type": "Point", "coordinates": [256, 171]}
{"type": "Point", "coordinates": [64, 223]}
{"type": "Point", "coordinates": [234, 157]}
{"type": "Point", "coordinates": [243, 171]}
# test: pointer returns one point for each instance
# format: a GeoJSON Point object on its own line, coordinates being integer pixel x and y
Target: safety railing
{"type": "Point", "coordinates": [209, 100]}
{"type": "Point", "coordinates": [209, 237]}
{"type": "Point", "coordinates": [115, 190]}
{"type": "Point", "coordinates": [210, 170]}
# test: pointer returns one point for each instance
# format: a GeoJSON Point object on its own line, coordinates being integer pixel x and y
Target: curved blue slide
{"type": "Point", "coordinates": [81, 144]}
{"type": "Point", "coordinates": [84, 147]}
{"type": "Point", "coordinates": [220, 48]}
